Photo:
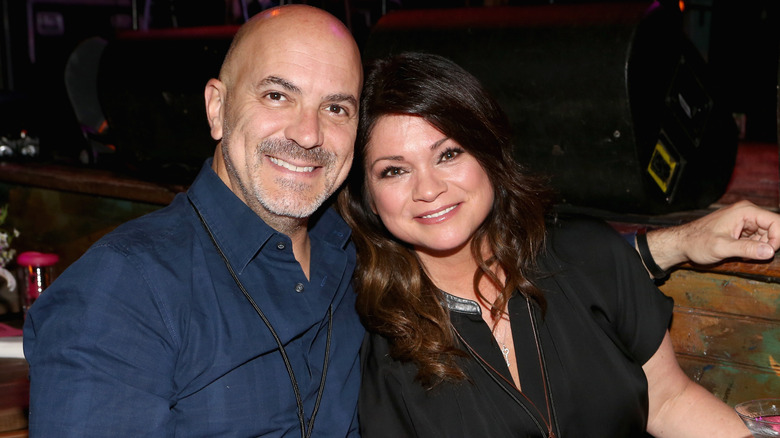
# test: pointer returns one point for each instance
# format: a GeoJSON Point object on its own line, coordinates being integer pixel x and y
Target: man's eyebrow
{"type": "Point", "coordinates": [284, 83]}
{"type": "Point", "coordinates": [289, 86]}
{"type": "Point", "coordinates": [340, 97]}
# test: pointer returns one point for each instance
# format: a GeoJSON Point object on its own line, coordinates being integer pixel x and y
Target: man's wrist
{"type": "Point", "coordinates": [646, 255]}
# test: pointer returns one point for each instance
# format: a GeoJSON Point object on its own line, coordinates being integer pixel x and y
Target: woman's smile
{"type": "Point", "coordinates": [437, 216]}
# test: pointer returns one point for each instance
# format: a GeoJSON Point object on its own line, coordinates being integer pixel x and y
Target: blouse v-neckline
{"type": "Point", "coordinates": [533, 395]}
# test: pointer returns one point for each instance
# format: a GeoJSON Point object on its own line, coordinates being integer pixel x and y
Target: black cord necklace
{"type": "Point", "coordinates": [551, 422]}
{"type": "Point", "coordinates": [305, 431]}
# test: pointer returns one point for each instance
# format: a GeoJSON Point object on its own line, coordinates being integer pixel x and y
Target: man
{"type": "Point", "coordinates": [150, 333]}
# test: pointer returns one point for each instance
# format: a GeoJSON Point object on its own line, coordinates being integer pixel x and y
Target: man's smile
{"type": "Point", "coordinates": [291, 167]}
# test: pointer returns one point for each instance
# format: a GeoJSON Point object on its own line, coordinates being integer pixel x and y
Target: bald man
{"type": "Point", "coordinates": [229, 312]}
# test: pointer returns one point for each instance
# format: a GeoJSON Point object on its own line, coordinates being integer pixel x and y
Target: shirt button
{"type": "Point", "coordinates": [280, 246]}
{"type": "Point", "coordinates": [299, 287]}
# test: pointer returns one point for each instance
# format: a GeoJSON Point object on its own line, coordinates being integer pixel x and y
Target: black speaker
{"type": "Point", "coordinates": [54, 29]}
{"type": "Point", "coordinates": [150, 86]}
{"type": "Point", "coordinates": [611, 101]}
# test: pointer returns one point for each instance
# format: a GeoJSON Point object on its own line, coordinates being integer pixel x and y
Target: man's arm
{"type": "Point", "coordinates": [101, 362]}
{"type": "Point", "coordinates": [740, 230]}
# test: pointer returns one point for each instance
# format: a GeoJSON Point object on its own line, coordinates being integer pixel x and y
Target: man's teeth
{"type": "Point", "coordinates": [437, 214]}
{"type": "Point", "coordinates": [289, 166]}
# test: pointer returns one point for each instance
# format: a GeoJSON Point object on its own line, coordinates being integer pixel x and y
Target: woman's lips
{"type": "Point", "coordinates": [437, 216]}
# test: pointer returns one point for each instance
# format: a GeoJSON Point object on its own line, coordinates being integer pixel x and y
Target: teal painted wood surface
{"type": "Point", "coordinates": [726, 329]}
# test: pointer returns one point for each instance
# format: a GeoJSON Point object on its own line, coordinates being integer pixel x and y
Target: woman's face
{"type": "Point", "coordinates": [428, 191]}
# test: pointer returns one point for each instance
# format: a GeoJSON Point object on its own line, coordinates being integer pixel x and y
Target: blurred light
{"type": "Point", "coordinates": [681, 3]}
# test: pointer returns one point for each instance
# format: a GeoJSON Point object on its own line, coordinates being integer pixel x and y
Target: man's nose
{"type": "Point", "coordinates": [305, 129]}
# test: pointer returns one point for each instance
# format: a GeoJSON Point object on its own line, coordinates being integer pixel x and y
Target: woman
{"type": "Point", "coordinates": [485, 318]}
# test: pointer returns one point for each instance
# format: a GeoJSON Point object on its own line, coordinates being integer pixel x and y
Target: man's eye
{"type": "Point", "coordinates": [337, 109]}
{"type": "Point", "coordinates": [275, 96]}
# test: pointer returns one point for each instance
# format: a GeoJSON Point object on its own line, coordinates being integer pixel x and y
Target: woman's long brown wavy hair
{"type": "Point", "coordinates": [395, 296]}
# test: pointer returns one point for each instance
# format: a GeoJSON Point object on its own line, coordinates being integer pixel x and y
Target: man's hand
{"type": "Point", "coordinates": [739, 230]}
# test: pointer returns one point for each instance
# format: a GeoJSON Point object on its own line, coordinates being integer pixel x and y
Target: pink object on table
{"type": "Point", "coordinates": [6, 330]}
{"type": "Point", "coordinates": [37, 268]}
{"type": "Point", "coordinates": [35, 258]}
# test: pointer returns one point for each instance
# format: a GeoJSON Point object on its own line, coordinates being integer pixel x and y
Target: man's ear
{"type": "Point", "coordinates": [215, 104]}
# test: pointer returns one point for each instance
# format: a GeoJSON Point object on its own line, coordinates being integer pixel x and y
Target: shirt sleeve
{"type": "Point", "coordinates": [100, 359]}
{"type": "Point", "coordinates": [609, 274]}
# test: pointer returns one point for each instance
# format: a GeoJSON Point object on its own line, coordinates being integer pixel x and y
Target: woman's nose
{"type": "Point", "coordinates": [428, 186]}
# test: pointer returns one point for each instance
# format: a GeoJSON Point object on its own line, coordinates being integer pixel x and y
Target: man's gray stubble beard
{"type": "Point", "coordinates": [285, 150]}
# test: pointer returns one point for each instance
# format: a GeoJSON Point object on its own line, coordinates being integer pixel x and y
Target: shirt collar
{"type": "Point", "coordinates": [328, 225]}
{"type": "Point", "coordinates": [461, 305]}
{"type": "Point", "coordinates": [240, 232]}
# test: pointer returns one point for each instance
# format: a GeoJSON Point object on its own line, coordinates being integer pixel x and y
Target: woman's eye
{"type": "Point", "coordinates": [390, 172]}
{"type": "Point", "coordinates": [449, 154]}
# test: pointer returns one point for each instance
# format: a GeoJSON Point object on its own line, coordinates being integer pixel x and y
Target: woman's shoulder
{"type": "Point", "coordinates": [587, 243]}
{"type": "Point", "coordinates": [375, 352]}
{"type": "Point", "coordinates": [565, 231]}
{"type": "Point", "coordinates": [374, 345]}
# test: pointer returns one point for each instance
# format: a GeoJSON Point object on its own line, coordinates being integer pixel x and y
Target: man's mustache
{"type": "Point", "coordinates": [291, 150]}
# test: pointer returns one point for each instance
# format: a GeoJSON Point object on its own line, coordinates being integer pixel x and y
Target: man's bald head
{"type": "Point", "coordinates": [298, 24]}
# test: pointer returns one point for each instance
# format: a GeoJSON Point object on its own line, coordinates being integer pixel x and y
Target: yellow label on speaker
{"type": "Point", "coordinates": [662, 167]}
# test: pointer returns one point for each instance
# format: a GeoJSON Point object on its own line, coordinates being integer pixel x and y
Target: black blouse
{"type": "Point", "coordinates": [604, 319]}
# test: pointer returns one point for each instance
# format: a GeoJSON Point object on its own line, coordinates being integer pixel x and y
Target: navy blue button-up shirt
{"type": "Point", "coordinates": [147, 334]}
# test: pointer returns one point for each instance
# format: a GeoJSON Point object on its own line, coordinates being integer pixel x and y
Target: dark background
{"type": "Point", "coordinates": [738, 38]}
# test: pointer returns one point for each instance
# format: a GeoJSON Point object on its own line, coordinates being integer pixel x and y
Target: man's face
{"type": "Point", "coordinates": [289, 125]}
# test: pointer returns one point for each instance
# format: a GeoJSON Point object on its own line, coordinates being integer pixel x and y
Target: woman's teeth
{"type": "Point", "coordinates": [439, 213]}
